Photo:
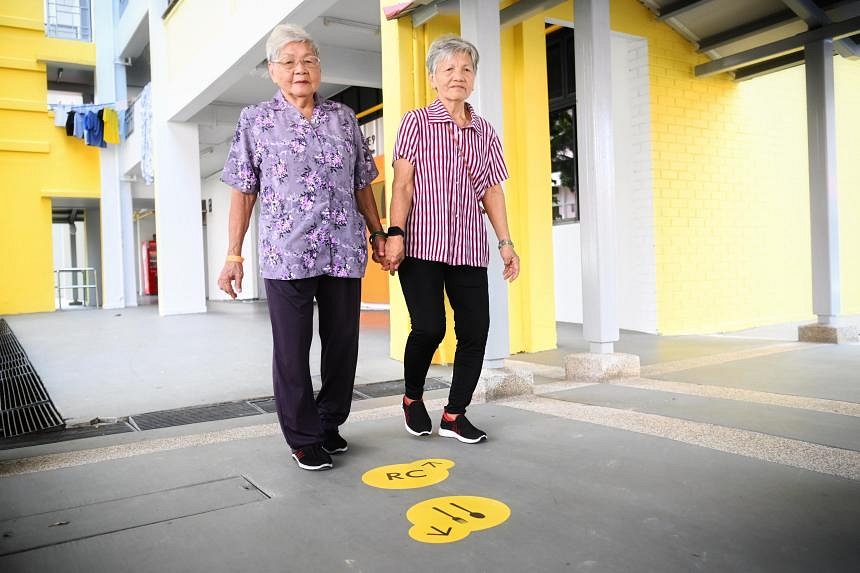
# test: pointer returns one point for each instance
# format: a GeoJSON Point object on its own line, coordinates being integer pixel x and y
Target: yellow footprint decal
{"type": "Point", "coordinates": [419, 473]}
{"type": "Point", "coordinates": [454, 517]}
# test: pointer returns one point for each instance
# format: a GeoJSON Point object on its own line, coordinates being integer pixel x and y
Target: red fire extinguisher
{"type": "Point", "coordinates": [149, 259]}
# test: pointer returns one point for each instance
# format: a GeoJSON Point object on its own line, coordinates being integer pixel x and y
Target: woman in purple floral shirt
{"type": "Point", "coordinates": [306, 160]}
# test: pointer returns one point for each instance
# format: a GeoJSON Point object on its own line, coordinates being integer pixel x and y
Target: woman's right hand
{"type": "Point", "coordinates": [232, 271]}
{"type": "Point", "coordinates": [394, 253]}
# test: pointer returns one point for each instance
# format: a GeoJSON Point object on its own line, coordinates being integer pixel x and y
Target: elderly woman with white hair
{"type": "Point", "coordinates": [306, 159]}
{"type": "Point", "coordinates": [448, 167]}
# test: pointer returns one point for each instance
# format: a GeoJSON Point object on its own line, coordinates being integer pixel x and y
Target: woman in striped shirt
{"type": "Point", "coordinates": [448, 164]}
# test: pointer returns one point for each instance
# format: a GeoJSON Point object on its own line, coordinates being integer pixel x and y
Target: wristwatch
{"type": "Point", "coordinates": [396, 232]}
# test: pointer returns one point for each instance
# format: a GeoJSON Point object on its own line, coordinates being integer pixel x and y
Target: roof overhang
{"type": "Point", "coordinates": [744, 38]}
{"type": "Point", "coordinates": [749, 39]}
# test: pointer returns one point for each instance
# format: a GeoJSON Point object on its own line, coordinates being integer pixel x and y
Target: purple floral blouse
{"type": "Point", "coordinates": [306, 173]}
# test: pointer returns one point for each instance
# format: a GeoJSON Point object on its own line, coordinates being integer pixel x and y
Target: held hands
{"type": "Point", "coordinates": [378, 246]}
{"type": "Point", "coordinates": [512, 263]}
{"type": "Point", "coordinates": [394, 254]}
{"type": "Point", "coordinates": [232, 271]}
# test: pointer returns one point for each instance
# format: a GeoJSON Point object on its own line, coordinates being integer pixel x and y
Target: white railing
{"type": "Point", "coordinates": [82, 280]}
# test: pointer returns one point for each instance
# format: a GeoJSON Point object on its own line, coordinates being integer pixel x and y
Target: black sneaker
{"type": "Point", "coordinates": [333, 443]}
{"type": "Point", "coordinates": [462, 429]}
{"type": "Point", "coordinates": [417, 419]}
{"type": "Point", "coordinates": [312, 457]}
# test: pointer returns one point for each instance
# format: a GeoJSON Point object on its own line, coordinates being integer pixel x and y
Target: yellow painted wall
{"type": "Point", "coordinates": [528, 191]}
{"type": "Point", "coordinates": [730, 185]}
{"type": "Point", "coordinates": [848, 167]}
{"type": "Point", "coordinates": [37, 160]}
{"type": "Point", "coordinates": [399, 79]}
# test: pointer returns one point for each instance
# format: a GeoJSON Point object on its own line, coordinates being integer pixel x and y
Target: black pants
{"type": "Point", "coordinates": [423, 283]}
{"type": "Point", "coordinates": [291, 310]}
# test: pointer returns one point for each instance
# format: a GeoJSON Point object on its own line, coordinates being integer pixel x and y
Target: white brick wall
{"type": "Point", "coordinates": [637, 288]}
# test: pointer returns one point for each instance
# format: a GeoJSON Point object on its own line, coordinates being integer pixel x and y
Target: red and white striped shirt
{"type": "Point", "coordinates": [445, 223]}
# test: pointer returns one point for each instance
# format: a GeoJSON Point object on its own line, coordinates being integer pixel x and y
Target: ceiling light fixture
{"type": "Point", "coordinates": [331, 20]}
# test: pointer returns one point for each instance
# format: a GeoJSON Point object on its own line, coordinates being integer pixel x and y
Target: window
{"type": "Point", "coordinates": [565, 196]}
{"type": "Point", "coordinates": [68, 19]}
{"type": "Point", "coordinates": [562, 125]}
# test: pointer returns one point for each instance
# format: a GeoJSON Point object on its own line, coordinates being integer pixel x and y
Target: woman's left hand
{"type": "Point", "coordinates": [378, 247]}
{"type": "Point", "coordinates": [512, 263]}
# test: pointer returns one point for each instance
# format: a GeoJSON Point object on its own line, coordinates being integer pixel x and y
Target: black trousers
{"type": "Point", "coordinates": [291, 310]}
{"type": "Point", "coordinates": [423, 283]}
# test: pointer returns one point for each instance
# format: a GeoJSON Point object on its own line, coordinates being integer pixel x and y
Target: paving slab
{"type": "Point", "coordinates": [815, 427]}
{"type": "Point", "coordinates": [582, 497]}
{"type": "Point", "coordinates": [651, 348]}
{"type": "Point", "coordinates": [821, 371]}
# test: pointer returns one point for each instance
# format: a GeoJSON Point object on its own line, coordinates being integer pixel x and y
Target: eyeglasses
{"type": "Point", "coordinates": [309, 62]}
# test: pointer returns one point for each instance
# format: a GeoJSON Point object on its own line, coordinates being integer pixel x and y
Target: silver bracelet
{"type": "Point", "coordinates": [507, 242]}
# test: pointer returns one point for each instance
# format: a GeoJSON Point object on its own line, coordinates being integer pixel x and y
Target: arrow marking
{"type": "Point", "coordinates": [439, 530]}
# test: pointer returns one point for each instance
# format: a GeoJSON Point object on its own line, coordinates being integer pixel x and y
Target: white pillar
{"type": "Point", "coordinates": [176, 165]}
{"type": "Point", "coordinates": [824, 209]}
{"type": "Point", "coordinates": [479, 24]}
{"type": "Point", "coordinates": [117, 264]}
{"type": "Point", "coordinates": [596, 174]}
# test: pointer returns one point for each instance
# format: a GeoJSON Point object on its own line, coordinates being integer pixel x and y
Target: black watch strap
{"type": "Point", "coordinates": [396, 232]}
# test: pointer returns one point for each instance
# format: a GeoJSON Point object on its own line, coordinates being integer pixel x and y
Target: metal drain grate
{"type": "Point", "coordinates": [267, 405]}
{"type": "Point", "coordinates": [392, 387]}
{"type": "Point", "coordinates": [193, 415]}
{"type": "Point", "coordinates": [25, 406]}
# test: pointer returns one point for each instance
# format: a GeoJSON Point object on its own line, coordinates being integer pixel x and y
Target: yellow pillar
{"type": "Point", "coordinates": [528, 191]}
{"type": "Point", "coordinates": [399, 89]}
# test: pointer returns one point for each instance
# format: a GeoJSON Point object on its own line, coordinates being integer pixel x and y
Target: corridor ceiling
{"type": "Point", "coordinates": [347, 33]}
{"type": "Point", "coordinates": [750, 38]}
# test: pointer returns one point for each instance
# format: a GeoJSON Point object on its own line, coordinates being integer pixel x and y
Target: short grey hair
{"type": "Point", "coordinates": [284, 34]}
{"type": "Point", "coordinates": [445, 47]}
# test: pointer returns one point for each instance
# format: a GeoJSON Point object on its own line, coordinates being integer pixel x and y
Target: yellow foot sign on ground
{"type": "Point", "coordinates": [454, 517]}
{"type": "Point", "coordinates": [419, 473]}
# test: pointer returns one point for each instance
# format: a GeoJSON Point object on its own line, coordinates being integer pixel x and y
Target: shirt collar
{"type": "Point", "coordinates": [279, 102]}
{"type": "Point", "coordinates": [438, 113]}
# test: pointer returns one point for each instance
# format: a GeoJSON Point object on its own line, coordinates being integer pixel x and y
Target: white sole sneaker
{"type": "Point", "coordinates": [452, 434]}
{"type": "Point", "coordinates": [323, 466]}
{"type": "Point", "coordinates": [336, 450]}
{"type": "Point", "coordinates": [414, 433]}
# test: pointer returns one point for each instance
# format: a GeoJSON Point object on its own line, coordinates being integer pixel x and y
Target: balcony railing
{"type": "Point", "coordinates": [69, 19]}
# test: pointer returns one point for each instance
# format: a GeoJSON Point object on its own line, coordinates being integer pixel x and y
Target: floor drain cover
{"type": "Point", "coordinates": [183, 416]}
{"type": "Point", "coordinates": [394, 387]}
{"type": "Point", "coordinates": [25, 406]}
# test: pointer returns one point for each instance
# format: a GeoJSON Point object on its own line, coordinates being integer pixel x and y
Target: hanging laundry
{"type": "Point", "coordinates": [94, 129]}
{"type": "Point", "coordinates": [70, 123]}
{"type": "Point", "coordinates": [61, 114]}
{"type": "Point", "coordinates": [78, 130]}
{"type": "Point", "coordinates": [123, 128]}
{"type": "Point", "coordinates": [111, 121]}
{"type": "Point", "coordinates": [144, 106]}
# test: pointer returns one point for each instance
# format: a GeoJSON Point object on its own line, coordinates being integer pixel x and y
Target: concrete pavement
{"type": "Point", "coordinates": [727, 454]}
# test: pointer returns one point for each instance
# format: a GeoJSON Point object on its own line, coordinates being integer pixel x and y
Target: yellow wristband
{"type": "Point", "coordinates": [235, 259]}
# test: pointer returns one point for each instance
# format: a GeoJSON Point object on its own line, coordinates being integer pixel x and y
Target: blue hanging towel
{"type": "Point", "coordinates": [94, 130]}
{"type": "Point", "coordinates": [78, 130]}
